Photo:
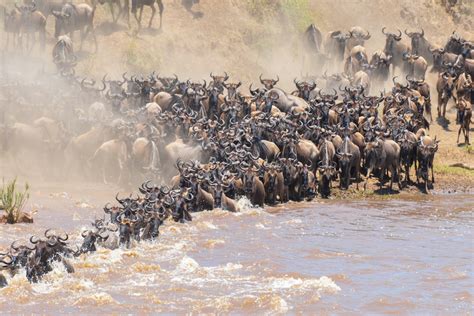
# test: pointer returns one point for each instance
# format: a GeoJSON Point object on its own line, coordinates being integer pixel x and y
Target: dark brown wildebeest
{"type": "Point", "coordinates": [463, 118]}
{"type": "Point", "coordinates": [335, 46]}
{"type": "Point", "coordinates": [381, 63]}
{"type": "Point", "coordinates": [395, 48]}
{"type": "Point", "coordinates": [445, 88]}
{"type": "Point", "coordinates": [427, 147]}
{"type": "Point", "coordinates": [440, 57]}
{"type": "Point", "coordinates": [420, 45]}
{"type": "Point", "coordinates": [269, 83]}
{"type": "Point", "coordinates": [383, 154]}
{"type": "Point", "coordinates": [138, 5]}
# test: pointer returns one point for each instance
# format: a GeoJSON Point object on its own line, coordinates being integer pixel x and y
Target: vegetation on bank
{"type": "Point", "coordinates": [12, 202]}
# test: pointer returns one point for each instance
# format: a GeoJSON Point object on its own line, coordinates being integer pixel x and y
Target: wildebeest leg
{"type": "Point", "coordinates": [440, 103]}
{"type": "Point", "coordinates": [120, 165]}
{"type": "Point", "coordinates": [139, 19]}
{"type": "Point", "coordinates": [367, 178]}
{"type": "Point", "coordinates": [42, 38]}
{"type": "Point", "coordinates": [153, 12]}
{"type": "Point", "coordinates": [161, 8]}
{"type": "Point", "coordinates": [381, 178]}
{"type": "Point", "coordinates": [112, 12]}
{"type": "Point", "coordinates": [432, 171]}
{"type": "Point", "coordinates": [428, 110]}
{"type": "Point", "coordinates": [459, 132]}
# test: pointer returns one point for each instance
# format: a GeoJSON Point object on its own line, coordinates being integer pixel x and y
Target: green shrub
{"type": "Point", "coordinates": [12, 201]}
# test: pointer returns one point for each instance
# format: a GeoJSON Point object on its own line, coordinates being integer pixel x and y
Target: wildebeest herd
{"type": "Point", "coordinates": [269, 145]}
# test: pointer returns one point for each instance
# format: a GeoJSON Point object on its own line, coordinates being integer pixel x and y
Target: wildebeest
{"type": "Point", "coordinates": [349, 163]}
{"type": "Point", "coordinates": [463, 118]}
{"type": "Point", "coordinates": [441, 57]}
{"type": "Point", "coordinates": [12, 25]}
{"type": "Point", "coordinates": [381, 67]}
{"type": "Point", "coordinates": [420, 45]}
{"type": "Point", "coordinates": [445, 88]}
{"type": "Point", "coordinates": [395, 47]}
{"type": "Point", "coordinates": [357, 37]}
{"type": "Point", "coordinates": [356, 60]}
{"type": "Point", "coordinates": [32, 21]}
{"type": "Point", "coordinates": [63, 54]}
{"type": "Point", "coordinates": [75, 17]}
{"type": "Point", "coordinates": [426, 150]}
{"type": "Point", "coordinates": [383, 154]}
{"type": "Point", "coordinates": [415, 66]}
{"type": "Point", "coordinates": [335, 46]}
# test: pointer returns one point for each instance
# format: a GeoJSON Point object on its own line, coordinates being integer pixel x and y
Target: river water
{"type": "Point", "coordinates": [350, 257]}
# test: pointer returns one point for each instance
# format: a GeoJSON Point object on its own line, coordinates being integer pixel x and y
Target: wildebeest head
{"type": "Point", "coordinates": [19, 254]}
{"type": "Point", "coordinates": [417, 39]}
{"type": "Point", "coordinates": [390, 40]}
{"type": "Point", "coordinates": [426, 149]}
{"type": "Point", "coordinates": [304, 88]}
{"type": "Point", "coordinates": [64, 19]}
{"type": "Point", "coordinates": [218, 80]}
{"type": "Point", "coordinates": [126, 228]}
{"type": "Point", "coordinates": [340, 40]}
{"type": "Point", "coordinates": [358, 36]}
{"type": "Point", "coordinates": [232, 88]}
{"type": "Point", "coordinates": [449, 80]}
{"type": "Point", "coordinates": [454, 44]}
{"type": "Point", "coordinates": [90, 239]}
{"type": "Point", "coordinates": [269, 83]}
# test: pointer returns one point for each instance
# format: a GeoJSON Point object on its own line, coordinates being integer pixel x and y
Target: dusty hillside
{"type": "Point", "coordinates": [247, 37]}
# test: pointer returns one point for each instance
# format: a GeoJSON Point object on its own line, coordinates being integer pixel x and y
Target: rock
{"type": "Point", "coordinates": [23, 218]}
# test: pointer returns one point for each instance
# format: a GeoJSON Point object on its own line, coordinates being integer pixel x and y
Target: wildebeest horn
{"type": "Point", "coordinates": [33, 241]}
{"type": "Point", "coordinates": [65, 238]}
{"type": "Point", "coordinates": [226, 76]}
{"type": "Point", "coordinates": [408, 34]}
{"type": "Point", "coordinates": [383, 30]}
{"type": "Point", "coordinates": [85, 233]}
{"type": "Point", "coordinates": [261, 81]}
{"type": "Point", "coordinates": [400, 34]}
{"type": "Point", "coordinates": [422, 32]}
{"type": "Point", "coordinates": [367, 36]}
{"type": "Point", "coordinates": [275, 81]}
{"type": "Point", "coordinates": [118, 200]}
{"type": "Point", "coordinates": [46, 233]}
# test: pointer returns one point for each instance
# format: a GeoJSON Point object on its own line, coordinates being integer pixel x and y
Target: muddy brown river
{"type": "Point", "coordinates": [330, 257]}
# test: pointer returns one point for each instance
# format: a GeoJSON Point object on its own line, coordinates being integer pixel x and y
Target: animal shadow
{"type": "Point", "coordinates": [386, 191]}
{"type": "Point", "coordinates": [108, 28]}
{"type": "Point", "coordinates": [150, 31]}
{"type": "Point", "coordinates": [443, 122]}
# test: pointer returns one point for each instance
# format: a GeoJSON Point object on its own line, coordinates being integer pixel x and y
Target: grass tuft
{"type": "Point", "coordinates": [12, 200]}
